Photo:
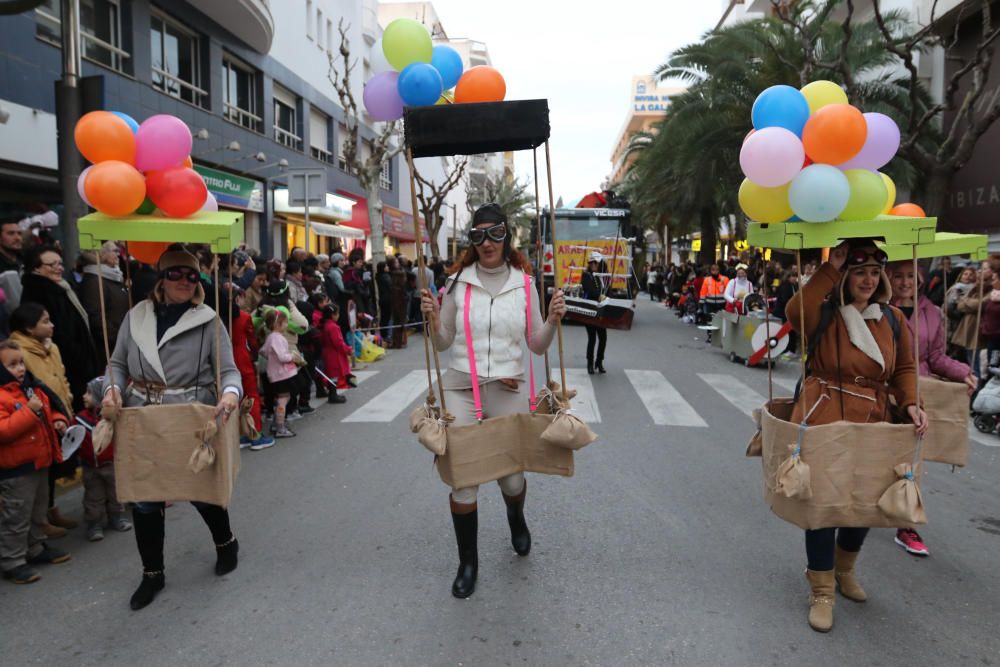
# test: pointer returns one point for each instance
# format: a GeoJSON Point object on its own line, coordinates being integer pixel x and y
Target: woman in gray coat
{"type": "Point", "coordinates": [166, 350]}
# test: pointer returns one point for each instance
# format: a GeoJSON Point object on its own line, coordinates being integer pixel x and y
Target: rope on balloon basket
{"type": "Point", "coordinates": [802, 329]}
{"type": "Point", "coordinates": [918, 454]}
{"type": "Point", "coordinates": [767, 330]}
{"type": "Point", "coordinates": [539, 260]}
{"type": "Point", "coordinates": [555, 264]}
{"type": "Point", "coordinates": [128, 276]}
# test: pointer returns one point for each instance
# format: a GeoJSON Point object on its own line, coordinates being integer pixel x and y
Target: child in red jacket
{"type": "Point", "coordinates": [245, 350]}
{"type": "Point", "coordinates": [100, 496]}
{"type": "Point", "coordinates": [335, 350]}
{"type": "Point", "coordinates": [29, 444]}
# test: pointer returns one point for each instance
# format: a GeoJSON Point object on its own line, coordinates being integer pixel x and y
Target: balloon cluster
{"type": "Point", "coordinates": [813, 157]}
{"type": "Point", "coordinates": [139, 168]}
{"type": "Point", "coordinates": [411, 71]}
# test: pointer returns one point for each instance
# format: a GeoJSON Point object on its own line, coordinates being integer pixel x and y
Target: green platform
{"type": "Point", "coordinates": [222, 230]}
{"type": "Point", "coordinates": [945, 244]}
{"type": "Point", "coordinates": [892, 230]}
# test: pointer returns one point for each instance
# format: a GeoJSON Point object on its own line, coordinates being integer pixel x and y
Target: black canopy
{"type": "Point", "coordinates": [471, 129]}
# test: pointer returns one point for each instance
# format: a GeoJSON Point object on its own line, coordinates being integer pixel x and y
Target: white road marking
{"type": "Point", "coordinates": [734, 391]}
{"type": "Point", "coordinates": [985, 439]}
{"type": "Point", "coordinates": [392, 400]}
{"type": "Point", "coordinates": [365, 375]}
{"type": "Point", "coordinates": [664, 403]}
{"type": "Point", "coordinates": [585, 403]}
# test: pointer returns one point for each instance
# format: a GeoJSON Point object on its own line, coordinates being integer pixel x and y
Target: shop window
{"type": "Point", "coordinates": [319, 136]}
{"type": "Point", "coordinates": [176, 60]}
{"type": "Point", "coordinates": [286, 119]}
{"type": "Point", "coordinates": [240, 92]}
{"type": "Point", "coordinates": [102, 26]}
{"type": "Point", "coordinates": [385, 176]}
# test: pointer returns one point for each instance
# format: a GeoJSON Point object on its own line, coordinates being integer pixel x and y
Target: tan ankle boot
{"type": "Point", "coordinates": [847, 582]}
{"type": "Point", "coordinates": [821, 600]}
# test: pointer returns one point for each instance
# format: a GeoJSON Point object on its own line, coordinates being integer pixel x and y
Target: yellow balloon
{"type": "Point", "coordinates": [891, 188]}
{"type": "Point", "coordinates": [447, 97]}
{"type": "Point", "coordinates": [821, 93]}
{"type": "Point", "coordinates": [765, 204]}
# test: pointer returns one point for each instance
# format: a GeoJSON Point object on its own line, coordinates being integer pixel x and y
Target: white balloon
{"type": "Point", "coordinates": [378, 62]}
{"type": "Point", "coordinates": [210, 203]}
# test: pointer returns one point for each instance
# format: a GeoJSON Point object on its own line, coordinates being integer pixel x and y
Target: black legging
{"type": "Point", "coordinates": [820, 543]}
{"type": "Point", "coordinates": [600, 334]}
{"type": "Point", "coordinates": [149, 522]}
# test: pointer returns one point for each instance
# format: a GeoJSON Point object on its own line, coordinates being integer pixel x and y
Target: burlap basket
{"type": "Point", "coordinates": [501, 446]}
{"type": "Point", "coordinates": [153, 447]}
{"type": "Point", "coordinates": [947, 408]}
{"type": "Point", "coordinates": [850, 468]}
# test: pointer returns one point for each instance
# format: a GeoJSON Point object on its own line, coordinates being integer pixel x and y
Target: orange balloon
{"type": "Point", "coordinates": [147, 252]}
{"type": "Point", "coordinates": [102, 136]}
{"type": "Point", "coordinates": [115, 188]}
{"type": "Point", "coordinates": [834, 134]}
{"type": "Point", "coordinates": [188, 162]}
{"type": "Point", "coordinates": [908, 211]}
{"type": "Point", "coordinates": [480, 84]}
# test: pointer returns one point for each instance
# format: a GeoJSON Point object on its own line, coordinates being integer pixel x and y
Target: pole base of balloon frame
{"type": "Point", "coordinates": [222, 230]}
{"type": "Point", "coordinates": [893, 230]}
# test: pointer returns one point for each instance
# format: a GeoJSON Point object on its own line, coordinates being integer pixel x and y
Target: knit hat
{"type": "Point", "coordinates": [175, 258]}
{"type": "Point", "coordinates": [96, 389]}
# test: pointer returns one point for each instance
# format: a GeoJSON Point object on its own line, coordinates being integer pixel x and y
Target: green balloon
{"type": "Point", "coordinates": [146, 207]}
{"type": "Point", "coordinates": [405, 42]}
{"type": "Point", "coordinates": [868, 195]}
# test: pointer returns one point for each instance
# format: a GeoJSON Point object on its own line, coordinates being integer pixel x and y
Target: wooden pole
{"type": "Point", "coordinates": [539, 260]}
{"type": "Point", "coordinates": [802, 333]}
{"type": "Point", "coordinates": [555, 266]}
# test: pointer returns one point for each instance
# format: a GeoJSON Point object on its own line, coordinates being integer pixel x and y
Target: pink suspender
{"type": "Point", "coordinates": [476, 397]}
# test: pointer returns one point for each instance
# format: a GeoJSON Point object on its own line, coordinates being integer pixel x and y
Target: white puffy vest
{"type": "Point", "coordinates": [498, 326]}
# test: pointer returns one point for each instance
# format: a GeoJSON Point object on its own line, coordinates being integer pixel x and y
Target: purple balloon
{"type": "Point", "coordinates": [79, 185]}
{"type": "Point", "coordinates": [772, 157]}
{"type": "Point", "coordinates": [161, 142]}
{"type": "Point", "coordinates": [381, 97]}
{"type": "Point", "coordinates": [880, 146]}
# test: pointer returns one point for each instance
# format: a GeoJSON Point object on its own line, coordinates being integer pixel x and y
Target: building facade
{"type": "Point", "coordinates": [649, 103]}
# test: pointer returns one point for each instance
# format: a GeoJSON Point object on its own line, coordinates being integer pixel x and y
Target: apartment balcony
{"type": "Point", "coordinates": [249, 20]}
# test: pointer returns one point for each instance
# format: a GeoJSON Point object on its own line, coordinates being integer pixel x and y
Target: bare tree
{"type": "Point", "coordinates": [367, 170]}
{"type": "Point", "coordinates": [431, 197]}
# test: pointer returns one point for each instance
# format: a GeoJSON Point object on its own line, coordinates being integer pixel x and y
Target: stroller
{"type": "Point", "coordinates": [687, 303]}
{"type": "Point", "coordinates": [986, 404]}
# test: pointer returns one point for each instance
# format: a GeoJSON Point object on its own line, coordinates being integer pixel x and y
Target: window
{"type": "Point", "coordinates": [240, 93]}
{"type": "Point", "coordinates": [320, 42]}
{"type": "Point", "coordinates": [385, 176]}
{"type": "Point", "coordinates": [319, 136]}
{"type": "Point", "coordinates": [286, 119]}
{"type": "Point", "coordinates": [341, 141]}
{"type": "Point", "coordinates": [309, 18]}
{"type": "Point", "coordinates": [101, 30]}
{"type": "Point", "coordinates": [329, 36]}
{"type": "Point", "coordinates": [176, 61]}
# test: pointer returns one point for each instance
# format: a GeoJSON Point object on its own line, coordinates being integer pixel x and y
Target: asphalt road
{"type": "Point", "coordinates": [659, 551]}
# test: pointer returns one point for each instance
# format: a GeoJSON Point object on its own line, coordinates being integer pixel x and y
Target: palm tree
{"type": "Point", "coordinates": [510, 194]}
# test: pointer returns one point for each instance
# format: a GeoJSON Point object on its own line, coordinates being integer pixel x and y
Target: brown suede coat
{"type": "Point", "coordinates": [832, 392]}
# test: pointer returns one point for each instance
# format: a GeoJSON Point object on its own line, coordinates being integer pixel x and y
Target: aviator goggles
{"type": "Point", "coordinates": [497, 232]}
{"type": "Point", "coordinates": [860, 256]}
{"type": "Point", "coordinates": [189, 275]}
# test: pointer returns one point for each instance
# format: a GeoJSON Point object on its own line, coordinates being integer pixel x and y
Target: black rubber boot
{"type": "Point", "coordinates": [152, 583]}
{"type": "Point", "coordinates": [466, 521]}
{"type": "Point", "coordinates": [520, 537]}
{"type": "Point", "coordinates": [149, 530]}
{"type": "Point", "coordinates": [226, 559]}
{"type": "Point", "coordinates": [590, 366]}
{"type": "Point", "coordinates": [334, 397]}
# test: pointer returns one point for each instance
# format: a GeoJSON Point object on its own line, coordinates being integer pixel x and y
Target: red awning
{"type": "Point", "coordinates": [359, 213]}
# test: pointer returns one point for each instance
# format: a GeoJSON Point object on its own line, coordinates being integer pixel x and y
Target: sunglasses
{"type": "Point", "coordinates": [189, 275]}
{"type": "Point", "coordinates": [859, 256]}
{"type": "Point", "coordinates": [497, 232]}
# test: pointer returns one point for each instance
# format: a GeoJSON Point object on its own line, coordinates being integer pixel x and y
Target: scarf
{"type": "Point", "coordinates": [858, 332]}
{"type": "Point", "coordinates": [112, 273]}
{"type": "Point", "coordinates": [71, 295]}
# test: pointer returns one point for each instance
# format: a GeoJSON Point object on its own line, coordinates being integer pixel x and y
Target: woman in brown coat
{"type": "Point", "coordinates": [859, 358]}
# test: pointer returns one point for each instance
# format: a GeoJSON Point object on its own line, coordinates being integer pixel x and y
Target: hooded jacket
{"type": "Point", "coordinates": [933, 356]}
{"type": "Point", "coordinates": [46, 364]}
{"type": "Point", "coordinates": [27, 439]}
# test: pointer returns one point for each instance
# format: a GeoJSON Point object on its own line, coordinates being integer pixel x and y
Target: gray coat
{"type": "Point", "coordinates": [184, 357]}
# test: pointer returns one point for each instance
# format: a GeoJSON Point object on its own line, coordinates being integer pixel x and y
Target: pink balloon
{"type": "Point", "coordinates": [772, 156]}
{"type": "Point", "coordinates": [880, 146]}
{"type": "Point", "coordinates": [79, 185]}
{"type": "Point", "coordinates": [211, 204]}
{"type": "Point", "coordinates": [161, 142]}
{"type": "Point", "coordinates": [381, 97]}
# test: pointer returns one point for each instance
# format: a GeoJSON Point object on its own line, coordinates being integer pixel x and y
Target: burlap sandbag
{"type": "Point", "coordinates": [947, 407]}
{"type": "Point", "coordinates": [248, 428]}
{"type": "Point", "coordinates": [204, 453]}
{"type": "Point", "coordinates": [432, 433]}
{"type": "Point", "coordinates": [902, 501]}
{"type": "Point", "coordinates": [568, 431]}
{"type": "Point", "coordinates": [851, 466]}
{"type": "Point", "coordinates": [154, 445]}
{"type": "Point", "coordinates": [549, 400]}
{"type": "Point", "coordinates": [755, 447]}
{"type": "Point", "coordinates": [420, 413]}
{"type": "Point", "coordinates": [102, 435]}
{"type": "Point", "coordinates": [792, 479]}
{"type": "Point", "coordinates": [501, 446]}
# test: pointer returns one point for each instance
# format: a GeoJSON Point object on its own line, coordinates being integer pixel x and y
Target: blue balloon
{"type": "Point", "coordinates": [819, 193]}
{"type": "Point", "coordinates": [780, 106]}
{"type": "Point", "coordinates": [420, 85]}
{"type": "Point", "coordinates": [128, 119]}
{"type": "Point", "coordinates": [448, 63]}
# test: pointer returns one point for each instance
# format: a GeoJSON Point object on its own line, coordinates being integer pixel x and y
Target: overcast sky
{"type": "Point", "coordinates": [581, 56]}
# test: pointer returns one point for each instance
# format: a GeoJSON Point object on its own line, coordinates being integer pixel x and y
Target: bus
{"type": "Point", "coordinates": [583, 233]}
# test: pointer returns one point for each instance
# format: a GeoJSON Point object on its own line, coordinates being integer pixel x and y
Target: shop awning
{"type": "Point", "coordinates": [337, 231]}
{"type": "Point", "coordinates": [336, 208]}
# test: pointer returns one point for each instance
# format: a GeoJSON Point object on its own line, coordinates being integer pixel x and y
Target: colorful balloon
{"type": "Point", "coordinates": [188, 162]}
{"type": "Point", "coordinates": [819, 193]}
{"type": "Point", "coordinates": [868, 195]}
{"type": "Point", "coordinates": [378, 63]}
{"type": "Point", "coordinates": [780, 106]}
{"type": "Point", "coordinates": [447, 97]}
{"type": "Point", "coordinates": [835, 134]}
{"type": "Point", "coordinates": [101, 136]}
{"type": "Point", "coordinates": [131, 122]}
{"type": "Point", "coordinates": [162, 141]}
{"type": "Point", "coordinates": [480, 84]}
{"type": "Point", "coordinates": [772, 156]}
{"type": "Point", "coordinates": [114, 187]}
{"type": "Point", "coordinates": [880, 146]}
{"type": "Point", "coordinates": [448, 63]}
{"type": "Point", "coordinates": [406, 41]}
{"type": "Point", "coordinates": [822, 93]}
{"type": "Point", "coordinates": [420, 85]}
{"type": "Point", "coordinates": [908, 211]}
{"type": "Point", "coordinates": [211, 204]}
{"type": "Point", "coordinates": [146, 207]}
{"type": "Point", "coordinates": [890, 199]}
{"type": "Point", "coordinates": [765, 204]}
{"type": "Point", "coordinates": [81, 179]}
{"type": "Point", "coordinates": [381, 97]}
{"type": "Point", "coordinates": [177, 191]}
{"type": "Point", "coordinates": [147, 252]}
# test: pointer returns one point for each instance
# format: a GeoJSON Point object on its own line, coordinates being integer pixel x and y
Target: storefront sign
{"type": "Point", "coordinates": [399, 224]}
{"type": "Point", "coordinates": [646, 99]}
{"type": "Point", "coordinates": [574, 255]}
{"type": "Point", "coordinates": [232, 190]}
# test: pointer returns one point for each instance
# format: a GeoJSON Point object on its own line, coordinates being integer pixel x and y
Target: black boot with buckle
{"type": "Point", "coordinates": [520, 537]}
{"type": "Point", "coordinates": [466, 521]}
